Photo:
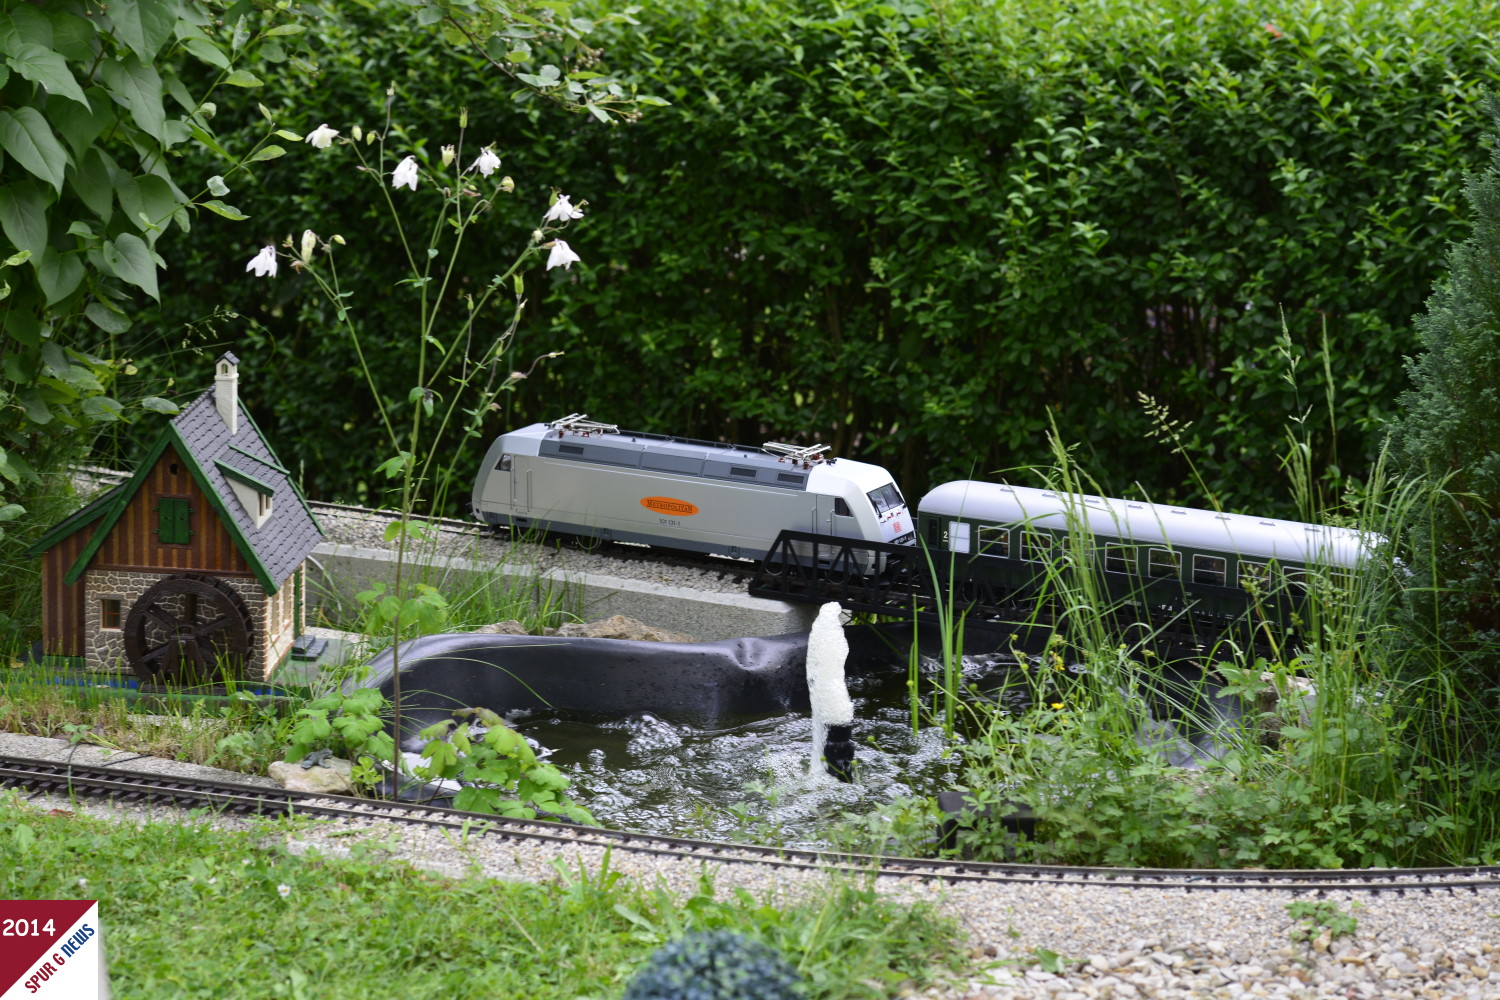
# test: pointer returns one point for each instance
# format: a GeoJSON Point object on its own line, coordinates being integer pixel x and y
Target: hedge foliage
{"type": "Point", "coordinates": [1449, 433]}
{"type": "Point", "coordinates": [924, 232]}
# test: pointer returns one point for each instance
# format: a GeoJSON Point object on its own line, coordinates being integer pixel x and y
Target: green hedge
{"type": "Point", "coordinates": [924, 232]}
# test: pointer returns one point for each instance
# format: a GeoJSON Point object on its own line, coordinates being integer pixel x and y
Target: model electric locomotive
{"type": "Point", "coordinates": [578, 477]}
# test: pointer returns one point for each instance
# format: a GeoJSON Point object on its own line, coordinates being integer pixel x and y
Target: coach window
{"type": "Point", "coordinates": [1036, 546]}
{"type": "Point", "coordinates": [1163, 563]}
{"type": "Point", "coordinates": [958, 536]}
{"type": "Point", "coordinates": [1120, 559]}
{"type": "Point", "coordinates": [1211, 570]}
{"type": "Point", "coordinates": [994, 541]}
{"type": "Point", "coordinates": [504, 465]}
{"type": "Point", "coordinates": [841, 507]}
{"type": "Point", "coordinates": [1254, 576]}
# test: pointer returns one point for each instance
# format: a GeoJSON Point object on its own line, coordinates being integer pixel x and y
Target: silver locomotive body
{"type": "Point", "coordinates": [587, 479]}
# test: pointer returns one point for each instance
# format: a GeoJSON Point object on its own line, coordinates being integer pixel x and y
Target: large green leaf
{"type": "Point", "coordinates": [47, 68]}
{"type": "Point", "coordinates": [147, 196]}
{"type": "Point", "coordinates": [58, 274]}
{"type": "Point", "coordinates": [139, 88]}
{"type": "Point", "coordinates": [207, 51]}
{"type": "Point", "coordinates": [80, 125]}
{"type": "Point", "coordinates": [243, 78]}
{"type": "Point", "coordinates": [106, 317]}
{"type": "Point", "coordinates": [23, 216]}
{"type": "Point", "coordinates": [227, 211]}
{"type": "Point", "coordinates": [102, 409]}
{"type": "Point", "coordinates": [144, 25]}
{"type": "Point", "coordinates": [94, 183]}
{"type": "Point", "coordinates": [25, 137]}
{"type": "Point", "coordinates": [129, 259]}
{"type": "Point", "coordinates": [24, 24]}
{"type": "Point", "coordinates": [73, 36]}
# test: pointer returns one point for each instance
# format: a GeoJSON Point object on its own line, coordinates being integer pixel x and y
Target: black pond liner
{"type": "Point", "coordinates": [701, 682]}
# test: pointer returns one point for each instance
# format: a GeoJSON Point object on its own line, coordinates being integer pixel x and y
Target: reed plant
{"type": "Point", "coordinates": [1337, 743]}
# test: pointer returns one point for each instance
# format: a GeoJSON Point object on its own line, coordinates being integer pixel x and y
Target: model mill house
{"type": "Point", "coordinates": [193, 569]}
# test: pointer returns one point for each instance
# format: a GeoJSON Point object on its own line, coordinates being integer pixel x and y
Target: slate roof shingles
{"type": "Point", "coordinates": [289, 535]}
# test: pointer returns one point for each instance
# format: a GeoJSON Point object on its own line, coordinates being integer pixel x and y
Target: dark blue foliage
{"type": "Point", "coordinates": [715, 965]}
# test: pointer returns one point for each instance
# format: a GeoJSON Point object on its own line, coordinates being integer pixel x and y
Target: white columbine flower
{"type": "Point", "coordinates": [561, 254]}
{"type": "Point", "coordinates": [263, 263]}
{"type": "Point", "coordinates": [309, 244]}
{"type": "Point", "coordinates": [283, 890]}
{"type": "Point", "coordinates": [405, 173]}
{"type": "Point", "coordinates": [448, 155]}
{"type": "Point", "coordinates": [562, 211]}
{"type": "Point", "coordinates": [487, 163]}
{"type": "Point", "coordinates": [322, 137]}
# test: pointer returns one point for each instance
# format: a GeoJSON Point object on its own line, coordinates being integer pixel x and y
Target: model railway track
{"type": "Point", "coordinates": [133, 788]}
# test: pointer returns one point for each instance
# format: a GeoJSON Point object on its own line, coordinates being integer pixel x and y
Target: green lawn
{"type": "Point", "coordinates": [192, 912]}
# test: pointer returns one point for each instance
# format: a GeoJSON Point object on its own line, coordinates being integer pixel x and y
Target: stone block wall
{"type": "Point", "coordinates": [104, 649]}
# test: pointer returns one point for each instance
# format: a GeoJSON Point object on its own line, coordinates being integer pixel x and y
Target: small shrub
{"type": "Point", "coordinates": [715, 965]}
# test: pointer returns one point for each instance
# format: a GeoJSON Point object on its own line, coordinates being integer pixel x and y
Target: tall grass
{"type": "Point", "coordinates": [1342, 746]}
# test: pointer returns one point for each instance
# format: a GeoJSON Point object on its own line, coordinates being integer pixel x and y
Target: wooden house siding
{"type": "Point", "coordinates": [133, 545]}
{"type": "Point", "coordinates": [62, 605]}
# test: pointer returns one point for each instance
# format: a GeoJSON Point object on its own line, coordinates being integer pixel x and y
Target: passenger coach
{"type": "Point", "coordinates": [1154, 553]}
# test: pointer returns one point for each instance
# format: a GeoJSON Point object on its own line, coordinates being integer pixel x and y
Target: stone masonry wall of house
{"type": "Point", "coordinates": [105, 648]}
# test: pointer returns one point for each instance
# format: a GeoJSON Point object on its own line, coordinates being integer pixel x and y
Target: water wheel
{"type": "Point", "coordinates": [188, 629]}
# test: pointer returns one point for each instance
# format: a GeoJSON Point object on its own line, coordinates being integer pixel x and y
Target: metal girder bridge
{"type": "Point", "coordinates": [938, 586]}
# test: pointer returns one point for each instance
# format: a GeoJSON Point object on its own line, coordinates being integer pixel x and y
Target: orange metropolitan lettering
{"type": "Point", "coordinates": [669, 505]}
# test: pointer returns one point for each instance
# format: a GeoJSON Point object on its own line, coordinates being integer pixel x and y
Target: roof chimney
{"type": "Point", "coordinates": [227, 390]}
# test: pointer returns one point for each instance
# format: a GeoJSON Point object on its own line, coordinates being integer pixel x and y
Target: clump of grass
{"type": "Point", "coordinates": [244, 735]}
{"type": "Point", "coordinates": [1371, 756]}
{"type": "Point", "coordinates": [179, 898]}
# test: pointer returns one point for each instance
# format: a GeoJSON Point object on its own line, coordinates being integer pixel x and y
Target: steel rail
{"type": "Point", "coordinates": [141, 788]}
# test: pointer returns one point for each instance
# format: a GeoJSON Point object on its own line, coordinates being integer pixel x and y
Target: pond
{"type": "Point", "coordinates": [748, 776]}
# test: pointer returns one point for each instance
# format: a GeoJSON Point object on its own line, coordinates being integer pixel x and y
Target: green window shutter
{"type": "Point", "coordinates": [172, 515]}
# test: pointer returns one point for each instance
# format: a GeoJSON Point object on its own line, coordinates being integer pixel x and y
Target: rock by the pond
{"type": "Point", "coordinates": [616, 627]}
{"type": "Point", "coordinates": [331, 777]}
{"type": "Point", "coordinates": [508, 627]}
{"type": "Point", "coordinates": [620, 627]}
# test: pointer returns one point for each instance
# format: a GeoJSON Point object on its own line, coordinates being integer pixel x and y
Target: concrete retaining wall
{"type": "Point", "coordinates": [338, 572]}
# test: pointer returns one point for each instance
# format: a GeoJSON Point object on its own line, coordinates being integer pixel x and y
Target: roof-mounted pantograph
{"type": "Point", "coordinates": [808, 455]}
{"type": "Point", "coordinates": [579, 423]}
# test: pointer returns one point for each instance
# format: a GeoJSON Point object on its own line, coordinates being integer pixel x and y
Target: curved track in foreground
{"type": "Point", "coordinates": [135, 788]}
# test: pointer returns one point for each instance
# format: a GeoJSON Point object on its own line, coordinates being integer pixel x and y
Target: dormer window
{"type": "Point", "coordinates": [254, 494]}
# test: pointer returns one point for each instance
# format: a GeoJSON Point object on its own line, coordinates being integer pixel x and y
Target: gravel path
{"type": "Point", "coordinates": [1098, 941]}
{"type": "Point", "coordinates": [353, 526]}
